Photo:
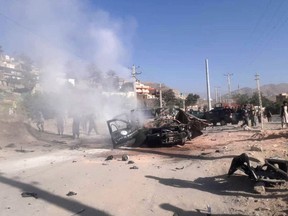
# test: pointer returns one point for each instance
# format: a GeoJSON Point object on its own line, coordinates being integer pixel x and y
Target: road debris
{"type": "Point", "coordinates": [125, 157]}
{"type": "Point", "coordinates": [29, 194]}
{"type": "Point", "coordinates": [134, 167]}
{"type": "Point", "coordinates": [71, 193]}
{"type": "Point", "coordinates": [110, 157]}
{"type": "Point", "coordinates": [79, 212]}
{"type": "Point", "coordinates": [131, 162]}
{"type": "Point", "coordinates": [256, 148]}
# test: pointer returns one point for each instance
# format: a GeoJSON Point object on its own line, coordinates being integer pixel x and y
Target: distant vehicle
{"type": "Point", "coordinates": [222, 115]}
{"type": "Point", "coordinates": [198, 114]}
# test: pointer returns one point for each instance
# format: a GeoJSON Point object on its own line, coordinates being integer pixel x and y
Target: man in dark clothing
{"type": "Point", "coordinates": [92, 124]}
{"type": "Point", "coordinates": [40, 121]}
{"type": "Point", "coordinates": [245, 115]}
{"type": "Point", "coordinates": [253, 115]}
{"type": "Point", "coordinates": [268, 115]}
{"type": "Point", "coordinates": [76, 127]}
{"type": "Point", "coordinates": [60, 124]}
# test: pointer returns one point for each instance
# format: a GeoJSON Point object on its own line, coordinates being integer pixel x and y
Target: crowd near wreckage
{"type": "Point", "coordinates": [273, 171]}
{"type": "Point", "coordinates": [162, 127]}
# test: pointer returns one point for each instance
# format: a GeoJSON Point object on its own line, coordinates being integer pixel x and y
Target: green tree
{"type": "Point", "coordinates": [255, 100]}
{"type": "Point", "coordinates": [43, 102]}
{"type": "Point", "coordinates": [191, 99]}
{"type": "Point", "coordinates": [169, 97]}
{"type": "Point", "coordinates": [241, 99]}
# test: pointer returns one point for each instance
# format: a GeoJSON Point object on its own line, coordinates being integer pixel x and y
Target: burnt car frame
{"type": "Point", "coordinates": [160, 132]}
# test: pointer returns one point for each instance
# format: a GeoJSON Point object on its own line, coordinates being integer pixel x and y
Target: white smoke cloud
{"type": "Point", "coordinates": [53, 32]}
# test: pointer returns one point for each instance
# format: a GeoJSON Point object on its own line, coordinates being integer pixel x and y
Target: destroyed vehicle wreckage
{"type": "Point", "coordinates": [144, 127]}
{"type": "Point", "coordinates": [272, 172]}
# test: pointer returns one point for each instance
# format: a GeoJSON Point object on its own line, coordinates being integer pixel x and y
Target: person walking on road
{"type": "Point", "coordinates": [60, 124]}
{"type": "Point", "coordinates": [92, 124]}
{"type": "Point", "coordinates": [253, 115]}
{"type": "Point", "coordinates": [245, 115]}
{"type": "Point", "coordinates": [40, 121]}
{"type": "Point", "coordinates": [76, 127]}
{"type": "Point", "coordinates": [284, 115]}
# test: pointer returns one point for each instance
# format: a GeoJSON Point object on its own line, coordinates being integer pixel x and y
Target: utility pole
{"type": "Point", "coordinates": [208, 85]}
{"type": "Point", "coordinates": [183, 99]}
{"type": "Point", "coordinates": [260, 99]}
{"type": "Point", "coordinates": [217, 99]}
{"type": "Point", "coordinates": [229, 86]}
{"type": "Point", "coordinates": [160, 95]}
{"type": "Point", "coordinates": [220, 96]}
{"type": "Point", "coordinates": [134, 72]}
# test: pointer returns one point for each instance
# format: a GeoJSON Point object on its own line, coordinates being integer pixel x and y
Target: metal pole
{"type": "Point", "coordinates": [216, 98]}
{"type": "Point", "coordinates": [183, 98]}
{"type": "Point", "coordinates": [260, 99]}
{"type": "Point", "coordinates": [160, 95]}
{"type": "Point", "coordinates": [229, 86]}
{"type": "Point", "coordinates": [220, 97]}
{"type": "Point", "coordinates": [208, 85]}
{"type": "Point", "coordinates": [134, 73]}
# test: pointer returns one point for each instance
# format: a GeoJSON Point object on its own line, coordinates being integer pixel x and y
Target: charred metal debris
{"type": "Point", "coordinates": [157, 128]}
{"type": "Point", "coordinates": [273, 171]}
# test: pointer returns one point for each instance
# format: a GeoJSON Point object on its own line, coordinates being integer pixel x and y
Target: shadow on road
{"type": "Point", "coordinates": [70, 205]}
{"type": "Point", "coordinates": [180, 212]}
{"type": "Point", "coordinates": [219, 185]}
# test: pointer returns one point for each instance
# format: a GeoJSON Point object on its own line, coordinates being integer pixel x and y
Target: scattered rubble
{"type": "Point", "coordinates": [29, 194]}
{"type": "Point", "coordinates": [71, 193]}
{"type": "Point", "coordinates": [259, 188]}
{"type": "Point", "coordinates": [110, 157]}
{"type": "Point", "coordinates": [134, 167]}
{"type": "Point", "coordinates": [256, 148]}
{"type": "Point", "coordinates": [125, 157]}
{"type": "Point", "coordinates": [131, 162]}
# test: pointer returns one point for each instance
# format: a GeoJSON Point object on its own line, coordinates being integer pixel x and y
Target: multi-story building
{"type": "Point", "coordinates": [13, 72]}
{"type": "Point", "coordinates": [281, 97]}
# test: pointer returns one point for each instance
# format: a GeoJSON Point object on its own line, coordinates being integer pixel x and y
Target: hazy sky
{"type": "Point", "coordinates": [168, 39]}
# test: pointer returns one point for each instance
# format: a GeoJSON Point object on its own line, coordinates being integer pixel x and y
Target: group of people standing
{"type": "Point", "coordinates": [85, 122]}
{"type": "Point", "coordinates": [254, 115]}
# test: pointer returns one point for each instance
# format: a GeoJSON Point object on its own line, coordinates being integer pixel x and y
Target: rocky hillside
{"type": "Point", "coordinates": [269, 91]}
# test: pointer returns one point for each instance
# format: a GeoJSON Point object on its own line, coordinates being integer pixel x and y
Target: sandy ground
{"type": "Point", "coordinates": [183, 180]}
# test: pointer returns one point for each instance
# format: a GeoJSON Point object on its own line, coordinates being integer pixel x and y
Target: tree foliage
{"type": "Point", "coordinates": [169, 97]}
{"type": "Point", "coordinates": [242, 99]}
{"type": "Point", "coordinates": [191, 99]}
{"type": "Point", "coordinates": [42, 102]}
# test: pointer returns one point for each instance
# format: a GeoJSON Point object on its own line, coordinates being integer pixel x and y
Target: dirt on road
{"type": "Point", "coordinates": [182, 180]}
